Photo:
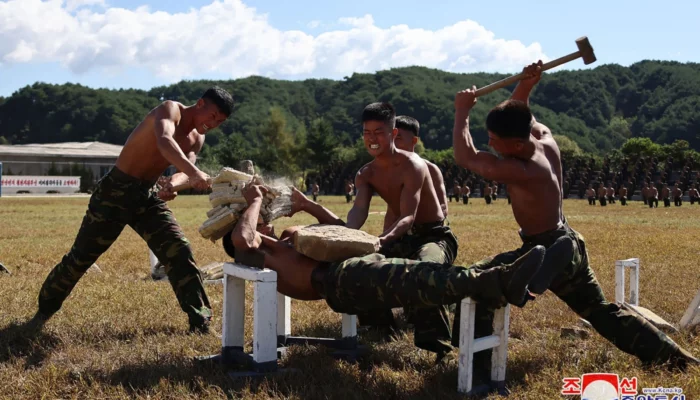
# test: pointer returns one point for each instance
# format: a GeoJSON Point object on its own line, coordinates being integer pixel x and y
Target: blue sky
{"type": "Point", "coordinates": [119, 43]}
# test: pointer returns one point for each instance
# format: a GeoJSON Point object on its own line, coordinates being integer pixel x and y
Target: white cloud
{"type": "Point", "coordinates": [75, 4]}
{"type": "Point", "coordinates": [231, 38]}
{"type": "Point", "coordinates": [313, 24]}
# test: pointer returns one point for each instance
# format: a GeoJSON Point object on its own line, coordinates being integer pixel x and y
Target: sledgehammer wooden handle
{"type": "Point", "coordinates": [585, 51]}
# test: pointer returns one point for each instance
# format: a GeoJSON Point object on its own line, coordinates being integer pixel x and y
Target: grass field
{"type": "Point", "coordinates": [121, 335]}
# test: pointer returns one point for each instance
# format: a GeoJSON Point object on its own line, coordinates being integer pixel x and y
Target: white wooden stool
{"type": "Point", "coordinates": [692, 314]}
{"type": "Point", "coordinates": [272, 327]}
{"type": "Point", "coordinates": [264, 357]}
{"type": "Point", "coordinates": [271, 321]}
{"type": "Point", "coordinates": [633, 265]}
{"type": "Point", "coordinates": [468, 345]}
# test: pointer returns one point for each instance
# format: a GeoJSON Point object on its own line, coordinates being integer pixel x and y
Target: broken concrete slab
{"type": "Point", "coordinates": [334, 242]}
{"type": "Point", "coordinates": [213, 271]}
{"type": "Point", "coordinates": [94, 268]}
{"type": "Point", "coordinates": [4, 270]}
{"type": "Point", "coordinates": [654, 319]}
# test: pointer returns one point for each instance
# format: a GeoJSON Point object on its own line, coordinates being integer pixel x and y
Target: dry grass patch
{"type": "Point", "coordinates": [121, 335]}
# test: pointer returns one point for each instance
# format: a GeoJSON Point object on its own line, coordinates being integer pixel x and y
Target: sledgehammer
{"type": "Point", "coordinates": [585, 51]}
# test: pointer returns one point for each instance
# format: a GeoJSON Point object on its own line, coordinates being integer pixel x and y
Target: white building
{"type": "Point", "coordinates": [38, 159]}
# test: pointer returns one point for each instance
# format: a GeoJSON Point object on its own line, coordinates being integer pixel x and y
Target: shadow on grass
{"type": "Point", "coordinates": [309, 372]}
{"type": "Point", "coordinates": [301, 377]}
{"type": "Point", "coordinates": [114, 334]}
{"type": "Point", "coordinates": [26, 340]}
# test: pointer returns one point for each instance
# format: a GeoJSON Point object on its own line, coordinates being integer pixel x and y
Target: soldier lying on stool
{"type": "Point", "coordinates": [531, 167]}
{"type": "Point", "coordinates": [373, 282]}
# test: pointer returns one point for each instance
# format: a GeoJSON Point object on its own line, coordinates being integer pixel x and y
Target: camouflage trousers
{"type": "Point", "coordinates": [374, 282]}
{"type": "Point", "coordinates": [578, 287]}
{"type": "Point", "coordinates": [436, 244]}
{"type": "Point", "coordinates": [121, 200]}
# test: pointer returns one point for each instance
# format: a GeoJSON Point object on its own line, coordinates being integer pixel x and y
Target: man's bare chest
{"type": "Point", "coordinates": [388, 186]}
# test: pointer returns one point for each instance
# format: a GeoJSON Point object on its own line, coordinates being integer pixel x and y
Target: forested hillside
{"type": "Point", "coordinates": [599, 109]}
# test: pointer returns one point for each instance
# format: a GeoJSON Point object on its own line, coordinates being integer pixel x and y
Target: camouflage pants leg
{"type": "Point", "coordinates": [579, 289]}
{"type": "Point", "coordinates": [374, 282]}
{"type": "Point", "coordinates": [100, 227]}
{"type": "Point", "coordinates": [431, 326]}
{"type": "Point", "coordinates": [156, 225]}
{"type": "Point", "coordinates": [384, 318]}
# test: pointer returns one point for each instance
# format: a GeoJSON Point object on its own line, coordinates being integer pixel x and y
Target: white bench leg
{"type": "Point", "coordinates": [234, 312]}
{"type": "Point", "coordinates": [349, 328]}
{"type": "Point", "coordinates": [284, 316]}
{"type": "Point", "coordinates": [633, 265]}
{"type": "Point", "coordinates": [468, 345]}
{"type": "Point", "coordinates": [465, 370]}
{"type": "Point", "coordinates": [499, 357]}
{"type": "Point", "coordinates": [692, 314]}
{"type": "Point", "coordinates": [634, 284]}
{"type": "Point", "coordinates": [265, 322]}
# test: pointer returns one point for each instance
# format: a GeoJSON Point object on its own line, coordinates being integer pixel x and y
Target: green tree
{"type": "Point", "coordinates": [568, 148]}
{"type": "Point", "coordinates": [321, 141]}
{"type": "Point", "coordinates": [637, 147]}
{"type": "Point", "coordinates": [278, 147]}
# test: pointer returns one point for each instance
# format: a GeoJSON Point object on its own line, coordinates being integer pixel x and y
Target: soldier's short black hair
{"type": "Point", "coordinates": [408, 123]}
{"type": "Point", "coordinates": [220, 97]}
{"type": "Point", "coordinates": [380, 112]}
{"type": "Point", "coordinates": [510, 119]}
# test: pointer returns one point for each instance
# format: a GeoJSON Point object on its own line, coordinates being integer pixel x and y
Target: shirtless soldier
{"type": "Point", "coordinates": [314, 190]}
{"type": "Point", "coordinates": [693, 194]}
{"type": "Point", "coordinates": [457, 191]}
{"type": "Point", "coordinates": [653, 197]}
{"type": "Point", "coordinates": [602, 195]}
{"type": "Point", "coordinates": [171, 134]}
{"type": "Point", "coordinates": [666, 195]}
{"type": "Point", "coordinates": [487, 193]}
{"type": "Point", "coordinates": [623, 195]}
{"type": "Point", "coordinates": [611, 193]}
{"type": "Point", "coordinates": [645, 192]}
{"type": "Point", "coordinates": [403, 180]}
{"type": "Point", "coordinates": [465, 193]}
{"type": "Point", "coordinates": [677, 195]}
{"type": "Point", "coordinates": [531, 169]}
{"type": "Point", "coordinates": [406, 139]}
{"type": "Point", "coordinates": [590, 193]}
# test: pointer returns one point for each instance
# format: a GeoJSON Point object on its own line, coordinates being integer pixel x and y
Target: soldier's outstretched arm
{"type": "Point", "coordinates": [481, 162]}
{"type": "Point", "coordinates": [302, 203]}
{"type": "Point", "coordinates": [360, 209]}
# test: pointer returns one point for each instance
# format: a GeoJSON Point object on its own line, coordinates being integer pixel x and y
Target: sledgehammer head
{"type": "Point", "coordinates": [584, 47]}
